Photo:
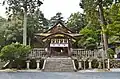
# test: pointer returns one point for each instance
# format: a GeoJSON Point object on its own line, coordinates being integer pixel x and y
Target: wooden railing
{"type": "Point", "coordinates": [38, 53]}
{"type": "Point", "coordinates": [82, 53]}
{"type": "Point", "coordinates": [77, 53]}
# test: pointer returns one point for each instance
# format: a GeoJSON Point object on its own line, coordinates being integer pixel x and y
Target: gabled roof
{"type": "Point", "coordinates": [46, 34]}
{"type": "Point", "coordinates": [57, 34]}
{"type": "Point", "coordinates": [59, 23]}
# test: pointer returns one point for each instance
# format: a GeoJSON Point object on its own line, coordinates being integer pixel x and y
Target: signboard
{"type": "Point", "coordinates": [58, 45]}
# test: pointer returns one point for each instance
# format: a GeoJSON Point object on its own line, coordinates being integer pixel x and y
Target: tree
{"type": "Point", "coordinates": [113, 18]}
{"type": "Point", "coordinates": [104, 24]}
{"type": "Point", "coordinates": [57, 17]}
{"type": "Point", "coordinates": [14, 30]}
{"type": "Point", "coordinates": [110, 53]}
{"type": "Point", "coordinates": [90, 38]}
{"type": "Point", "coordinates": [90, 8]}
{"type": "Point", "coordinates": [76, 22]}
{"type": "Point", "coordinates": [14, 52]}
{"type": "Point", "coordinates": [95, 11]}
{"type": "Point", "coordinates": [2, 31]}
{"type": "Point", "coordinates": [36, 23]}
{"type": "Point", "coordinates": [25, 6]}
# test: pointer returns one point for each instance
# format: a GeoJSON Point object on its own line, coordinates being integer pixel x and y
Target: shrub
{"type": "Point", "coordinates": [110, 53]}
{"type": "Point", "coordinates": [15, 52]}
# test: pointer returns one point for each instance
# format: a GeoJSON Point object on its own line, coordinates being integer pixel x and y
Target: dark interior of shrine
{"type": "Point", "coordinates": [61, 51]}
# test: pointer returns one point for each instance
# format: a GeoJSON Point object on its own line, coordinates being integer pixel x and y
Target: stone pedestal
{"type": "Point", "coordinates": [90, 64]}
{"type": "Point", "coordinates": [28, 64]}
{"type": "Point", "coordinates": [80, 65]}
{"type": "Point", "coordinates": [38, 64]}
{"type": "Point", "coordinates": [84, 64]}
{"type": "Point", "coordinates": [100, 64]}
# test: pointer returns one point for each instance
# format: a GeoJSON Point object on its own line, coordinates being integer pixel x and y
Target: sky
{"type": "Point", "coordinates": [51, 7]}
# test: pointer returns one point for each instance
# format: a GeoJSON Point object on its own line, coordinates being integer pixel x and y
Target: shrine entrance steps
{"type": "Point", "coordinates": [59, 64]}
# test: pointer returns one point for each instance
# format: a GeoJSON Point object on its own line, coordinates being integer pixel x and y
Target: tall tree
{"type": "Point", "coordinates": [57, 17]}
{"type": "Point", "coordinates": [2, 29]}
{"type": "Point", "coordinates": [96, 7]}
{"type": "Point", "coordinates": [14, 30]}
{"type": "Point", "coordinates": [90, 38]}
{"type": "Point", "coordinates": [76, 22]}
{"type": "Point", "coordinates": [113, 17]}
{"type": "Point", "coordinates": [25, 6]}
{"type": "Point", "coordinates": [36, 23]}
{"type": "Point", "coordinates": [101, 6]}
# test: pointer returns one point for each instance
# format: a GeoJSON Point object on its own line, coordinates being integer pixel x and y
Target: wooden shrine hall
{"type": "Point", "coordinates": [55, 47]}
{"type": "Point", "coordinates": [58, 40]}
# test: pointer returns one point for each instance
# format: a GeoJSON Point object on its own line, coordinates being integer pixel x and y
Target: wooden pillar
{"type": "Point", "coordinates": [63, 40]}
{"type": "Point", "coordinates": [50, 51]}
{"type": "Point", "coordinates": [69, 51]}
{"type": "Point", "coordinates": [69, 47]}
{"type": "Point", "coordinates": [59, 41]}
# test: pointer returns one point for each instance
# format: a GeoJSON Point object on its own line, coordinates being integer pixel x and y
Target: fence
{"type": "Point", "coordinates": [38, 53]}
{"type": "Point", "coordinates": [82, 53]}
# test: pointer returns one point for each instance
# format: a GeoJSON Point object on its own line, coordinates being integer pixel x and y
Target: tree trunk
{"type": "Point", "coordinates": [25, 28]}
{"type": "Point", "coordinates": [103, 23]}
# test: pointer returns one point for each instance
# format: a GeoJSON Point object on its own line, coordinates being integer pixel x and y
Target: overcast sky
{"type": "Point", "coordinates": [51, 7]}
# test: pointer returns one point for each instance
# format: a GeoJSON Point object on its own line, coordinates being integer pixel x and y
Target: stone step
{"type": "Point", "coordinates": [59, 64]}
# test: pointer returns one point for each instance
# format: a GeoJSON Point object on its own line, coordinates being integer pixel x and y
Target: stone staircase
{"type": "Point", "coordinates": [59, 64]}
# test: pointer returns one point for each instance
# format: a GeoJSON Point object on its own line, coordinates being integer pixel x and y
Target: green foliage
{"type": "Point", "coordinates": [14, 29]}
{"type": "Point", "coordinates": [104, 13]}
{"type": "Point", "coordinates": [16, 6]}
{"type": "Point", "coordinates": [114, 17]}
{"type": "Point", "coordinates": [110, 53]}
{"type": "Point", "coordinates": [36, 22]}
{"type": "Point", "coordinates": [14, 26]}
{"type": "Point", "coordinates": [76, 22]}
{"type": "Point", "coordinates": [89, 39]}
{"type": "Point", "coordinates": [2, 29]}
{"type": "Point", "coordinates": [57, 17]}
{"type": "Point", "coordinates": [118, 47]}
{"type": "Point", "coordinates": [90, 10]}
{"type": "Point", "coordinates": [113, 39]}
{"type": "Point", "coordinates": [24, 7]}
{"type": "Point", "coordinates": [14, 51]}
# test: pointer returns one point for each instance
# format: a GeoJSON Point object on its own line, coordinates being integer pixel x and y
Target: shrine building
{"type": "Point", "coordinates": [55, 47]}
{"type": "Point", "coordinates": [58, 40]}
